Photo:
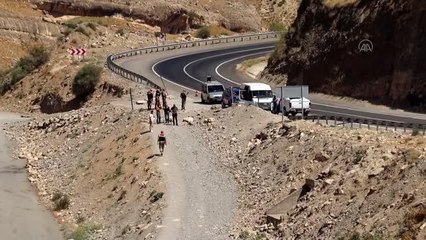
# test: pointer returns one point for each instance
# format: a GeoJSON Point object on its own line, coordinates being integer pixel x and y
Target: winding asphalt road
{"type": "Point", "coordinates": [191, 70]}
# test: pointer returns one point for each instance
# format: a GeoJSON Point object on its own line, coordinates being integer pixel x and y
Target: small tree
{"type": "Point", "coordinates": [86, 80]}
{"type": "Point", "coordinates": [203, 32]}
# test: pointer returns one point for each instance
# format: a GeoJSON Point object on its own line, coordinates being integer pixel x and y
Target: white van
{"type": "Point", "coordinates": [211, 92]}
{"type": "Point", "coordinates": [258, 94]}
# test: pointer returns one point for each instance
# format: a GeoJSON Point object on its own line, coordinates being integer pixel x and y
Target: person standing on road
{"type": "Point", "coordinates": [183, 97]}
{"type": "Point", "coordinates": [158, 110]}
{"type": "Point", "coordinates": [157, 98]}
{"type": "Point", "coordinates": [164, 97]}
{"type": "Point", "coordinates": [167, 114]}
{"type": "Point", "coordinates": [150, 96]}
{"type": "Point", "coordinates": [174, 115]}
{"type": "Point", "coordinates": [151, 119]}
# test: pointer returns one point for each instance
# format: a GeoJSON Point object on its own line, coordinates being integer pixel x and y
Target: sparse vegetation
{"type": "Point", "coordinates": [155, 196]}
{"type": "Point", "coordinates": [359, 156]}
{"type": "Point", "coordinates": [83, 232]}
{"type": "Point", "coordinates": [38, 56]}
{"type": "Point", "coordinates": [365, 236]}
{"type": "Point", "coordinates": [86, 80]}
{"type": "Point", "coordinates": [61, 201]}
{"type": "Point", "coordinates": [415, 132]}
{"type": "Point", "coordinates": [277, 27]}
{"type": "Point", "coordinates": [92, 26]}
{"type": "Point", "coordinates": [71, 25]}
{"type": "Point", "coordinates": [280, 47]}
{"type": "Point", "coordinates": [120, 32]}
{"type": "Point", "coordinates": [203, 32]}
{"type": "Point", "coordinates": [82, 30]}
{"type": "Point", "coordinates": [244, 235]}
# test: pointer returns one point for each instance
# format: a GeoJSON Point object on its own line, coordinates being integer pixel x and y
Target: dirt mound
{"type": "Point", "coordinates": [364, 183]}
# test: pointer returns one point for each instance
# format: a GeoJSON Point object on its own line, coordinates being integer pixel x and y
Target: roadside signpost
{"type": "Point", "coordinates": [78, 52]}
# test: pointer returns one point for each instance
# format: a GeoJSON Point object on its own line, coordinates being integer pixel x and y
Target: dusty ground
{"type": "Point", "coordinates": [364, 182]}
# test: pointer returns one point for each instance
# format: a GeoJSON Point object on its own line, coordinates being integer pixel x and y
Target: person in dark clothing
{"type": "Point", "coordinates": [174, 115]}
{"type": "Point", "coordinates": [157, 98]}
{"type": "Point", "coordinates": [183, 97]}
{"type": "Point", "coordinates": [167, 114]}
{"type": "Point", "coordinates": [158, 110]}
{"type": "Point", "coordinates": [164, 97]}
{"type": "Point", "coordinates": [274, 105]}
{"type": "Point", "coordinates": [150, 96]}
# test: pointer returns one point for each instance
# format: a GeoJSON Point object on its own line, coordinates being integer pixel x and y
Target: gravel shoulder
{"type": "Point", "coordinates": [201, 197]}
{"type": "Point", "coordinates": [21, 215]}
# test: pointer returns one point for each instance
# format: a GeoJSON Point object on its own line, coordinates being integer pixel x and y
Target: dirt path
{"type": "Point", "coordinates": [200, 196]}
{"type": "Point", "coordinates": [21, 215]}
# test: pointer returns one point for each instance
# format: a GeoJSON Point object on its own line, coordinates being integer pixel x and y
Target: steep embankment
{"type": "Point", "coordinates": [323, 51]}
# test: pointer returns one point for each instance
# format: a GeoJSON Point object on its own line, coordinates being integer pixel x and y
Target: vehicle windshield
{"type": "Point", "coordinates": [262, 94]}
{"type": "Point", "coordinates": [215, 88]}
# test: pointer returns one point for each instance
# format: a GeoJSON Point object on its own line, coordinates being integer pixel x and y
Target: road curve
{"type": "Point", "coordinates": [190, 70]}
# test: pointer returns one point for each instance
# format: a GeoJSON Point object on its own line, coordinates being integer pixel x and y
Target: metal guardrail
{"type": "Point", "coordinates": [370, 123]}
{"type": "Point", "coordinates": [155, 49]}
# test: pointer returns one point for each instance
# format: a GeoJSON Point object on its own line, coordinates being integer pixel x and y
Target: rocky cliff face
{"type": "Point", "coordinates": [323, 50]}
{"type": "Point", "coordinates": [171, 19]}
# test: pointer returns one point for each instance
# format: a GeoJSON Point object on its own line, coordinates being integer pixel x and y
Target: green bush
{"type": "Point", "coordinates": [62, 201]}
{"type": "Point", "coordinates": [92, 26]}
{"type": "Point", "coordinates": [277, 27]}
{"type": "Point", "coordinates": [82, 30]}
{"type": "Point", "coordinates": [120, 32]}
{"type": "Point", "coordinates": [71, 25]}
{"type": "Point", "coordinates": [203, 33]}
{"type": "Point", "coordinates": [279, 50]}
{"type": "Point", "coordinates": [37, 57]}
{"type": "Point", "coordinates": [86, 80]}
{"type": "Point", "coordinates": [82, 232]}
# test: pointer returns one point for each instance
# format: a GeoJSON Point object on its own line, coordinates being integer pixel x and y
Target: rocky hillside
{"type": "Point", "coordinates": [323, 50]}
{"type": "Point", "coordinates": [364, 183]}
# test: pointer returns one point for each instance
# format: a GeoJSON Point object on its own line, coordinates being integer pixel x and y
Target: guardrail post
{"type": "Point", "coordinates": [326, 120]}
{"type": "Point", "coordinates": [405, 128]}
{"type": "Point", "coordinates": [395, 125]}
{"type": "Point", "coordinates": [343, 122]}
{"type": "Point", "coordinates": [368, 124]}
{"type": "Point", "coordinates": [317, 119]}
{"type": "Point", "coordinates": [360, 125]}
{"type": "Point", "coordinates": [335, 121]}
{"type": "Point", "coordinates": [424, 129]}
{"type": "Point", "coordinates": [352, 123]}
{"type": "Point", "coordinates": [386, 126]}
{"type": "Point", "coordinates": [377, 126]}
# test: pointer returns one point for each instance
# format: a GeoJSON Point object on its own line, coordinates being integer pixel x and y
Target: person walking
{"type": "Point", "coordinates": [158, 110]}
{"type": "Point", "coordinates": [174, 115]}
{"type": "Point", "coordinates": [150, 96]}
{"type": "Point", "coordinates": [161, 142]}
{"type": "Point", "coordinates": [183, 97]}
{"type": "Point", "coordinates": [151, 119]}
{"type": "Point", "coordinates": [167, 114]}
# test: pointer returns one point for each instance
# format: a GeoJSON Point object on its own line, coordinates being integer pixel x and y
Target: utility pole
{"type": "Point", "coordinates": [282, 105]}
{"type": "Point", "coordinates": [301, 96]}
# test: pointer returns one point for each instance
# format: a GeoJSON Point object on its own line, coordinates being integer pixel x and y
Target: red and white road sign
{"type": "Point", "coordinates": [77, 51]}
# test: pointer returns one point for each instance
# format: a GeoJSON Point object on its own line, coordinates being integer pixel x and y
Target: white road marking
{"type": "Point", "coordinates": [231, 60]}
{"type": "Point", "coordinates": [219, 55]}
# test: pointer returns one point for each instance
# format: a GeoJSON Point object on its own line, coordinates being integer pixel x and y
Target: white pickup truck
{"type": "Point", "coordinates": [291, 101]}
{"type": "Point", "coordinates": [293, 106]}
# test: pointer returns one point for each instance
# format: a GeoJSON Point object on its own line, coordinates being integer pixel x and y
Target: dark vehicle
{"type": "Point", "coordinates": [230, 96]}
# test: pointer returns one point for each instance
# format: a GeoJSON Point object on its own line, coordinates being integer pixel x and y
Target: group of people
{"type": "Point", "coordinates": [159, 98]}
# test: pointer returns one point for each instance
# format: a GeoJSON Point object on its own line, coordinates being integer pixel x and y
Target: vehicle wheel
{"type": "Point", "coordinates": [306, 114]}
{"type": "Point", "coordinates": [293, 114]}
{"type": "Point", "coordinates": [202, 100]}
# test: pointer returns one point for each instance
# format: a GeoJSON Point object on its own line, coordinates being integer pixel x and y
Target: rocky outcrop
{"type": "Point", "coordinates": [323, 50]}
{"type": "Point", "coordinates": [171, 19]}
{"type": "Point", "coordinates": [32, 26]}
